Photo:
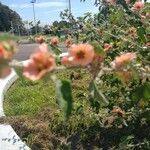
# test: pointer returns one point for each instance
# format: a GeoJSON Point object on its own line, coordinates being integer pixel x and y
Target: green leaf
{"type": "Point", "coordinates": [97, 98]}
{"type": "Point", "coordinates": [117, 17]}
{"type": "Point", "coordinates": [56, 50]}
{"type": "Point", "coordinates": [18, 71]}
{"type": "Point", "coordinates": [141, 34]}
{"type": "Point", "coordinates": [64, 96]}
{"type": "Point", "coordinates": [147, 7]}
{"type": "Point", "coordinates": [97, 47]}
{"type": "Point", "coordinates": [142, 92]}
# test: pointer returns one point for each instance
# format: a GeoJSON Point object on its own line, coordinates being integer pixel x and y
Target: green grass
{"type": "Point", "coordinates": [27, 98]}
{"type": "Point", "coordinates": [25, 40]}
{"type": "Point", "coordinates": [44, 127]}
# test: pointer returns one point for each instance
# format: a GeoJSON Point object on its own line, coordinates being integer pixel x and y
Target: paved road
{"type": "Point", "coordinates": [25, 50]}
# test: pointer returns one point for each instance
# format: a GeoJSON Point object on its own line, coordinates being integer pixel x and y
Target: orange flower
{"type": "Point", "coordinates": [40, 39]}
{"type": "Point", "coordinates": [81, 54]}
{"type": "Point", "coordinates": [138, 6]}
{"type": "Point", "coordinates": [123, 59]}
{"type": "Point", "coordinates": [118, 111]}
{"type": "Point", "coordinates": [54, 41]}
{"type": "Point", "coordinates": [7, 50]}
{"type": "Point", "coordinates": [148, 14]}
{"type": "Point", "coordinates": [107, 47]}
{"type": "Point", "coordinates": [148, 44]}
{"type": "Point", "coordinates": [2, 51]}
{"type": "Point", "coordinates": [68, 42]}
{"type": "Point", "coordinates": [41, 63]}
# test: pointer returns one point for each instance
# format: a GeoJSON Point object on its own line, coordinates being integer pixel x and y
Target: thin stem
{"type": "Point", "coordinates": [124, 39]}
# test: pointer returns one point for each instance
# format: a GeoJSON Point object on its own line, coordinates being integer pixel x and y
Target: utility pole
{"type": "Point", "coordinates": [28, 28]}
{"type": "Point", "coordinates": [18, 28]}
{"type": "Point", "coordinates": [12, 28]}
{"type": "Point", "coordinates": [33, 2]}
{"type": "Point", "coordinates": [70, 15]}
{"type": "Point", "coordinates": [70, 7]}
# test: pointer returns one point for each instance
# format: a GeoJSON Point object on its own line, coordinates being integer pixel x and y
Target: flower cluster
{"type": "Point", "coordinates": [123, 59]}
{"type": "Point", "coordinates": [80, 54]}
{"type": "Point", "coordinates": [7, 50]}
{"type": "Point", "coordinates": [112, 50]}
{"type": "Point", "coordinates": [54, 41]}
{"type": "Point", "coordinates": [68, 42]}
{"type": "Point", "coordinates": [40, 39]}
{"type": "Point", "coordinates": [138, 6]}
{"type": "Point", "coordinates": [40, 63]}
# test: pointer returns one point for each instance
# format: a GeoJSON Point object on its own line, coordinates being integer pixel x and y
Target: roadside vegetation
{"type": "Point", "coordinates": [95, 97]}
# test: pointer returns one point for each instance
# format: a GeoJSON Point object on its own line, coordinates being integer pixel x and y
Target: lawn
{"type": "Point", "coordinates": [32, 111]}
{"type": "Point", "coordinates": [27, 98]}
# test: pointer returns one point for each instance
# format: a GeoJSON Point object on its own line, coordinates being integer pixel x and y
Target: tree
{"type": "Point", "coordinates": [47, 29]}
{"type": "Point", "coordinates": [10, 20]}
{"type": "Point", "coordinates": [37, 26]}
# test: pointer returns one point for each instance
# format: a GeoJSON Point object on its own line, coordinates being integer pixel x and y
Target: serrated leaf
{"type": "Point", "coordinates": [64, 96]}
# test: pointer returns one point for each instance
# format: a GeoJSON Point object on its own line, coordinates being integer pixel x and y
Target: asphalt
{"type": "Point", "coordinates": [25, 50]}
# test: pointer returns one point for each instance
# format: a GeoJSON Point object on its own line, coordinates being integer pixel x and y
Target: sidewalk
{"type": "Point", "coordinates": [9, 140]}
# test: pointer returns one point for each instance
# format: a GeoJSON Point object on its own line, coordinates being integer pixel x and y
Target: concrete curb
{"type": "Point", "coordinates": [9, 140]}
{"type": "Point", "coordinates": [5, 84]}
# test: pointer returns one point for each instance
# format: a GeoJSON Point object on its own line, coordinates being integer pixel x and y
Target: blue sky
{"type": "Point", "coordinates": [48, 10]}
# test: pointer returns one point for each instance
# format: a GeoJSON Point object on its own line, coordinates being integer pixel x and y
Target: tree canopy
{"type": "Point", "coordinates": [9, 19]}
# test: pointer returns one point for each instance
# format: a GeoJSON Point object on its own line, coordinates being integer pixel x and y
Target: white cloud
{"type": "Point", "coordinates": [39, 5]}
{"type": "Point", "coordinates": [50, 4]}
{"type": "Point", "coordinates": [19, 6]}
{"type": "Point", "coordinates": [54, 10]}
